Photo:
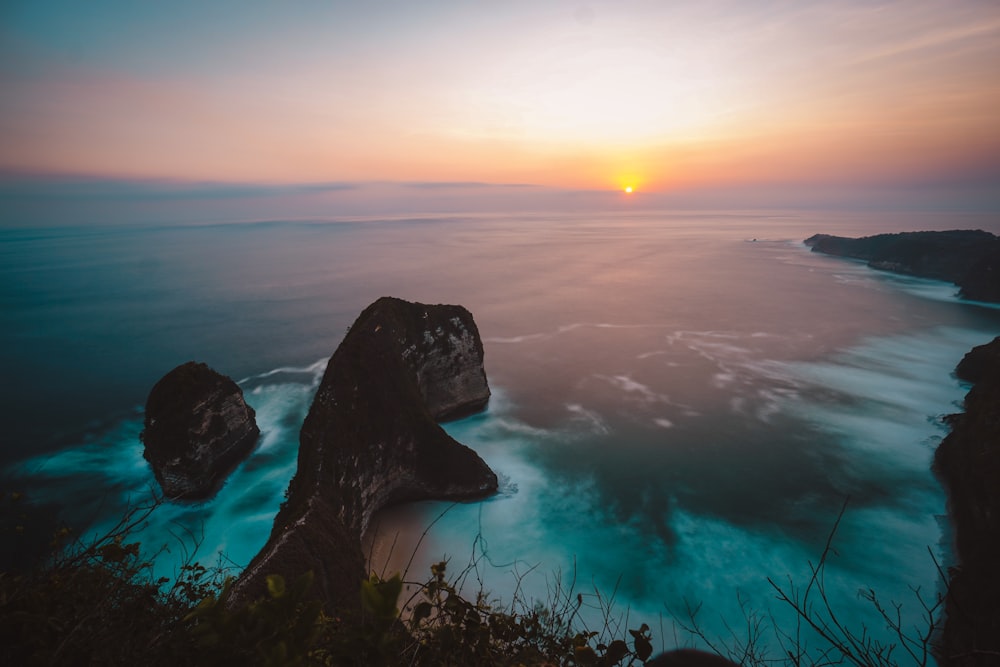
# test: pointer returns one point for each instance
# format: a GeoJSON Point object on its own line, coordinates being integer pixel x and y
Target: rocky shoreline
{"type": "Point", "coordinates": [968, 464]}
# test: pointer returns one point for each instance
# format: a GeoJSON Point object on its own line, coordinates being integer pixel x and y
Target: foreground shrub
{"type": "Point", "coordinates": [98, 603]}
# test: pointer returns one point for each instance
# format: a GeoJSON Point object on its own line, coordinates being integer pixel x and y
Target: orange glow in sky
{"type": "Point", "coordinates": [632, 94]}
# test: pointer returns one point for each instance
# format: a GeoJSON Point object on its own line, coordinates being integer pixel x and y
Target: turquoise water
{"type": "Point", "coordinates": [682, 402]}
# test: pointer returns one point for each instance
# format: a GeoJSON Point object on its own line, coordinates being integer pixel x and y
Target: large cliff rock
{"type": "Point", "coordinates": [197, 429]}
{"type": "Point", "coordinates": [980, 363]}
{"type": "Point", "coordinates": [968, 258]}
{"type": "Point", "coordinates": [371, 439]}
{"type": "Point", "coordinates": [968, 462]}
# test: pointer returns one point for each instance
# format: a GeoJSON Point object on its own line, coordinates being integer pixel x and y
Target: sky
{"type": "Point", "coordinates": [666, 97]}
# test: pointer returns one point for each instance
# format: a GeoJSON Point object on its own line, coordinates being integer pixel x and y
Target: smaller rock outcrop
{"type": "Point", "coordinates": [968, 462]}
{"type": "Point", "coordinates": [968, 258]}
{"type": "Point", "coordinates": [197, 429]}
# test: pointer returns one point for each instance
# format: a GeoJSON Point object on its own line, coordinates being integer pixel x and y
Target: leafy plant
{"type": "Point", "coordinates": [277, 630]}
{"type": "Point", "coordinates": [447, 628]}
{"type": "Point", "coordinates": [97, 602]}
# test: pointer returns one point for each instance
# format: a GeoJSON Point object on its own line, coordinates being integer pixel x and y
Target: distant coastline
{"type": "Point", "coordinates": [968, 258]}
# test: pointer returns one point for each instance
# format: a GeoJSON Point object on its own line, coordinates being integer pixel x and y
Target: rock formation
{"type": "Point", "coordinates": [980, 363]}
{"type": "Point", "coordinates": [968, 258]}
{"type": "Point", "coordinates": [968, 462]}
{"type": "Point", "coordinates": [371, 439]}
{"type": "Point", "coordinates": [197, 429]}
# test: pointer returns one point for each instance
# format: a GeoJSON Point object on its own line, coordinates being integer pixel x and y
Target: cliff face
{"type": "Point", "coordinates": [968, 462]}
{"type": "Point", "coordinates": [197, 429]}
{"type": "Point", "coordinates": [371, 439]}
{"type": "Point", "coordinates": [968, 258]}
{"type": "Point", "coordinates": [981, 363]}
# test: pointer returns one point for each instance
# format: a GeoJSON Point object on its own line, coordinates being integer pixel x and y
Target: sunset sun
{"type": "Point", "coordinates": [628, 189]}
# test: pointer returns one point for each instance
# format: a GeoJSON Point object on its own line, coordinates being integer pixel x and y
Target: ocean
{"type": "Point", "coordinates": [683, 402]}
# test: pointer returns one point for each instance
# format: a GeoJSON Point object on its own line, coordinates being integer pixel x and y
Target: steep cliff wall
{"type": "Point", "coordinates": [968, 462]}
{"type": "Point", "coordinates": [968, 258]}
{"type": "Point", "coordinates": [371, 439]}
{"type": "Point", "coordinates": [197, 429]}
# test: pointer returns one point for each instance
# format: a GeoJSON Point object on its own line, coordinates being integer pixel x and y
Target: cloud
{"type": "Point", "coordinates": [459, 185]}
{"type": "Point", "coordinates": [28, 186]}
{"type": "Point", "coordinates": [953, 37]}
